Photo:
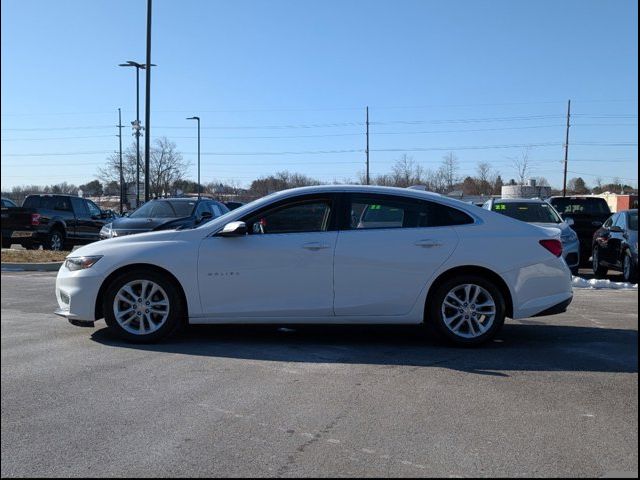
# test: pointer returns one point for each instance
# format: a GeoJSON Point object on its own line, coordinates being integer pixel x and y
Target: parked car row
{"type": "Point", "coordinates": [59, 222]}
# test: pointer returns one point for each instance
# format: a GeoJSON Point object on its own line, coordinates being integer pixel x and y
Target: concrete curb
{"type": "Point", "coordinates": [30, 267]}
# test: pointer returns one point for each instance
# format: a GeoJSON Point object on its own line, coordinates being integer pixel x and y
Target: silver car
{"type": "Point", "coordinates": [541, 213]}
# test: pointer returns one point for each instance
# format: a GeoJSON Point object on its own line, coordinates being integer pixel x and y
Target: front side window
{"type": "Point", "coordinates": [610, 221]}
{"type": "Point", "coordinates": [621, 221]}
{"type": "Point", "coordinates": [378, 211]}
{"type": "Point", "coordinates": [79, 207]}
{"type": "Point", "coordinates": [311, 216]}
{"type": "Point", "coordinates": [633, 221]}
{"type": "Point", "coordinates": [94, 211]}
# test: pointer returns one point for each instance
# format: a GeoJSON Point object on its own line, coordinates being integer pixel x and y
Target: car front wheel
{"type": "Point", "coordinates": [629, 270]}
{"type": "Point", "coordinates": [143, 307]}
{"type": "Point", "coordinates": [467, 310]}
{"type": "Point", "coordinates": [598, 270]}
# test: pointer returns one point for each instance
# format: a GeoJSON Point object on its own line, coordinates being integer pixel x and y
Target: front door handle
{"type": "Point", "coordinates": [427, 243]}
{"type": "Point", "coordinates": [315, 246]}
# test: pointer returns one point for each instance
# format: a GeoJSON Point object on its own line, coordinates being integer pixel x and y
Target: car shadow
{"type": "Point", "coordinates": [518, 347]}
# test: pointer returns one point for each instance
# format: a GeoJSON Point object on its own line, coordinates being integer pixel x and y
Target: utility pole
{"type": "Point", "coordinates": [566, 151]}
{"type": "Point", "coordinates": [121, 176]}
{"type": "Point", "coordinates": [198, 119]}
{"type": "Point", "coordinates": [147, 119]}
{"type": "Point", "coordinates": [367, 150]}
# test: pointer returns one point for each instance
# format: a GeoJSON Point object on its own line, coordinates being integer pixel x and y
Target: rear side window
{"type": "Point", "coordinates": [32, 202]}
{"type": "Point", "coordinates": [381, 211]}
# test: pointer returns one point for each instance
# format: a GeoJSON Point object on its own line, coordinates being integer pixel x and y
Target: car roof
{"type": "Point", "coordinates": [519, 200]}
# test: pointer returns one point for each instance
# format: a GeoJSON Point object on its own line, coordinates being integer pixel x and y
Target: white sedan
{"type": "Point", "coordinates": [328, 254]}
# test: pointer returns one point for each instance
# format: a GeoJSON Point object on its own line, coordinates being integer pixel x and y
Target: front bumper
{"type": "Point", "coordinates": [76, 293]}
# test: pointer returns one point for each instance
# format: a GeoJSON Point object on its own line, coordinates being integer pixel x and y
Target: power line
{"type": "Point", "coordinates": [55, 138]}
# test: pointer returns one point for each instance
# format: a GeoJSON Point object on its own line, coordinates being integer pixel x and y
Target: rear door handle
{"type": "Point", "coordinates": [427, 243]}
{"type": "Point", "coordinates": [314, 246]}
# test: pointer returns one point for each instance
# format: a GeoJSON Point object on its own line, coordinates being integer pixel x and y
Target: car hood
{"type": "Point", "coordinates": [103, 246]}
{"type": "Point", "coordinates": [126, 223]}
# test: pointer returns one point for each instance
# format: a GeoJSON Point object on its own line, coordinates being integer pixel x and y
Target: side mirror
{"type": "Point", "coordinates": [233, 229]}
{"type": "Point", "coordinates": [596, 224]}
{"type": "Point", "coordinates": [569, 221]}
{"type": "Point", "coordinates": [616, 229]}
{"type": "Point", "coordinates": [206, 215]}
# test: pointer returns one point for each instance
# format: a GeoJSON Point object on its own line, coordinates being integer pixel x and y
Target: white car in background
{"type": "Point", "coordinates": [326, 254]}
{"type": "Point", "coordinates": [543, 214]}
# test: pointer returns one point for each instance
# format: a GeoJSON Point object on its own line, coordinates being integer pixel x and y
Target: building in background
{"type": "Point", "coordinates": [531, 190]}
{"type": "Point", "coordinates": [618, 202]}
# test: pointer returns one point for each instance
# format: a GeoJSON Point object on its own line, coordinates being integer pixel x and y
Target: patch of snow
{"type": "Point", "coordinates": [597, 284]}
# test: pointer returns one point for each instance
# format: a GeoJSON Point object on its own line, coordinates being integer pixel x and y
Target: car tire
{"type": "Point", "coordinates": [629, 270]}
{"type": "Point", "coordinates": [55, 240]}
{"type": "Point", "coordinates": [143, 306]}
{"type": "Point", "coordinates": [598, 270]}
{"type": "Point", "coordinates": [468, 324]}
{"type": "Point", "coordinates": [575, 270]}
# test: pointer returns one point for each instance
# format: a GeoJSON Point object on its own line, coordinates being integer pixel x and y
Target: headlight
{"type": "Point", "coordinates": [107, 230]}
{"type": "Point", "coordinates": [80, 263]}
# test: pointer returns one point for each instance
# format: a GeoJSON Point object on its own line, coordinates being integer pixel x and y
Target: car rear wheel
{"type": "Point", "coordinates": [598, 270]}
{"type": "Point", "coordinates": [467, 310]}
{"type": "Point", "coordinates": [628, 268]}
{"type": "Point", "coordinates": [143, 307]}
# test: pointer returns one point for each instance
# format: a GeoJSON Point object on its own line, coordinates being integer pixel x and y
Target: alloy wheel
{"type": "Point", "coordinates": [468, 310]}
{"type": "Point", "coordinates": [141, 307]}
{"type": "Point", "coordinates": [56, 241]}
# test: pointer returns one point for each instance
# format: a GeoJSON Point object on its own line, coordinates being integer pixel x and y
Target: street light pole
{"type": "Point", "coordinates": [136, 125]}
{"type": "Point", "coordinates": [147, 113]}
{"type": "Point", "coordinates": [198, 119]}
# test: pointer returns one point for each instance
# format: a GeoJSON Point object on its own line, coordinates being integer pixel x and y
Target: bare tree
{"type": "Point", "coordinates": [449, 170]}
{"type": "Point", "coordinates": [486, 178]}
{"type": "Point", "coordinates": [166, 166]}
{"type": "Point", "coordinates": [406, 172]}
{"type": "Point", "coordinates": [522, 165]}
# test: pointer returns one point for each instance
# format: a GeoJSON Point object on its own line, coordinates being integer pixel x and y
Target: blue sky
{"type": "Point", "coordinates": [295, 76]}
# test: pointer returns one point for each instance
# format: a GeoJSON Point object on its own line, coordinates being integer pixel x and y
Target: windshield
{"type": "Point", "coordinates": [590, 206]}
{"type": "Point", "coordinates": [633, 220]}
{"type": "Point", "coordinates": [165, 209]}
{"type": "Point", "coordinates": [531, 212]}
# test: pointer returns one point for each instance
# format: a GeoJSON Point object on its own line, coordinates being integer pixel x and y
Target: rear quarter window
{"type": "Point", "coordinates": [31, 202]}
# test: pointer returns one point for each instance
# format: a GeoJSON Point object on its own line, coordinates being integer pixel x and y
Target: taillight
{"type": "Point", "coordinates": [553, 245]}
{"type": "Point", "coordinates": [35, 219]}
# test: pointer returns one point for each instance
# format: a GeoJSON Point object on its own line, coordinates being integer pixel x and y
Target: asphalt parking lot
{"type": "Point", "coordinates": [554, 396]}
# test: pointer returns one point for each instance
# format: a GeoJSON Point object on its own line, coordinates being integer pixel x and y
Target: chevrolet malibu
{"type": "Point", "coordinates": [327, 254]}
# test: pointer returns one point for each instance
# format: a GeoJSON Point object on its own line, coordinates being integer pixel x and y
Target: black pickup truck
{"type": "Point", "coordinates": [587, 214]}
{"type": "Point", "coordinates": [56, 222]}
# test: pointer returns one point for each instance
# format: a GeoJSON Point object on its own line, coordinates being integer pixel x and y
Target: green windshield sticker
{"type": "Point", "coordinates": [500, 206]}
{"type": "Point", "coordinates": [374, 207]}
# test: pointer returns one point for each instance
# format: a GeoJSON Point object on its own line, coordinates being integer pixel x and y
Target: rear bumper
{"type": "Point", "coordinates": [556, 309]}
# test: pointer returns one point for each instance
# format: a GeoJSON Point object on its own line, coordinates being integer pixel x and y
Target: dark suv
{"type": "Point", "coordinates": [587, 213]}
{"type": "Point", "coordinates": [56, 222]}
